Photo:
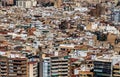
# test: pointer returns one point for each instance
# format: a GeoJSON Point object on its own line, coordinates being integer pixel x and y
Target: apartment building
{"type": "Point", "coordinates": [3, 67]}
{"type": "Point", "coordinates": [106, 69]}
{"type": "Point", "coordinates": [103, 65]}
{"type": "Point", "coordinates": [13, 67]}
{"type": "Point", "coordinates": [60, 66]}
{"type": "Point", "coordinates": [116, 70]}
{"type": "Point", "coordinates": [26, 3]}
{"type": "Point", "coordinates": [33, 69]}
{"type": "Point", "coordinates": [102, 69]}
{"type": "Point", "coordinates": [46, 67]}
{"type": "Point", "coordinates": [17, 67]}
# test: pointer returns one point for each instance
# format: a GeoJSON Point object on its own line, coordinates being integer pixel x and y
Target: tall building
{"type": "Point", "coordinates": [102, 69]}
{"type": "Point", "coordinates": [13, 67]}
{"type": "Point", "coordinates": [17, 67]}
{"type": "Point", "coordinates": [103, 65]}
{"type": "Point", "coordinates": [3, 67]}
{"type": "Point", "coordinates": [116, 70]}
{"type": "Point", "coordinates": [33, 69]}
{"type": "Point", "coordinates": [60, 66]}
{"type": "Point", "coordinates": [46, 67]}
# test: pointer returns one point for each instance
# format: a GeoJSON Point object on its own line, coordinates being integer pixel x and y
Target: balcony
{"type": "Point", "coordinates": [3, 63]}
{"type": "Point", "coordinates": [54, 63]}
{"type": "Point", "coordinates": [55, 60]}
{"type": "Point", "coordinates": [23, 69]}
{"type": "Point", "coordinates": [54, 70]}
{"type": "Point", "coordinates": [117, 71]}
{"type": "Point", "coordinates": [55, 67]}
{"type": "Point", "coordinates": [13, 75]}
{"type": "Point", "coordinates": [19, 72]}
{"type": "Point", "coordinates": [4, 67]}
{"type": "Point", "coordinates": [4, 74]}
{"type": "Point", "coordinates": [3, 71]}
{"type": "Point", "coordinates": [63, 66]}
{"type": "Point", "coordinates": [116, 75]}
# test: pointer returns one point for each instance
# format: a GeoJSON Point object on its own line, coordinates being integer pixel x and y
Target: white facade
{"type": "Point", "coordinates": [26, 3]}
{"type": "Point", "coordinates": [46, 67]}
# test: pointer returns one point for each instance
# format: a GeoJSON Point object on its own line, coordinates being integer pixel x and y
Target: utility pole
{"type": "Point", "coordinates": [40, 62]}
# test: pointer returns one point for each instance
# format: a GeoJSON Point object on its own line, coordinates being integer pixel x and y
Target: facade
{"type": "Point", "coordinates": [26, 3]}
{"type": "Point", "coordinates": [115, 15]}
{"type": "Point", "coordinates": [33, 69]}
{"type": "Point", "coordinates": [116, 70]}
{"type": "Point", "coordinates": [17, 67]}
{"type": "Point", "coordinates": [3, 67]}
{"type": "Point", "coordinates": [13, 67]}
{"type": "Point", "coordinates": [60, 66]}
{"type": "Point", "coordinates": [102, 69]}
{"type": "Point", "coordinates": [46, 67]}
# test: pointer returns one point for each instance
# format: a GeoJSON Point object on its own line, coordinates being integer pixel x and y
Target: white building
{"type": "Point", "coordinates": [26, 3]}
{"type": "Point", "coordinates": [46, 67]}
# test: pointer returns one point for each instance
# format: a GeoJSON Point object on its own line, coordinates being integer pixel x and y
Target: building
{"type": "Point", "coordinates": [13, 67]}
{"type": "Point", "coordinates": [98, 10]}
{"type": "Point", "coordinates": [102, 69]}
{"type": "Point", "coordinates": [7, 2]}
{"type": "Point", "coordinates": [60, 66]}
{"type": "Point", "coordinates": [116, 70]}
{"type": "Point", "coordinates": [3, 67]}
{"type": "Point", "coordinates": [69, 5]}
{"type": "Point", "coordinates": [26, 3]}
{"type": "Point", "coordinates": [103, 65]}
{"type": "Point", "coordinates": [33, 69]}
{"type": "Point", "coordinates": [115, 17]}
{"type": "Point", "coordinates": [46, 67]}
{"type": "Point", "coordinates": [17, 67]}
